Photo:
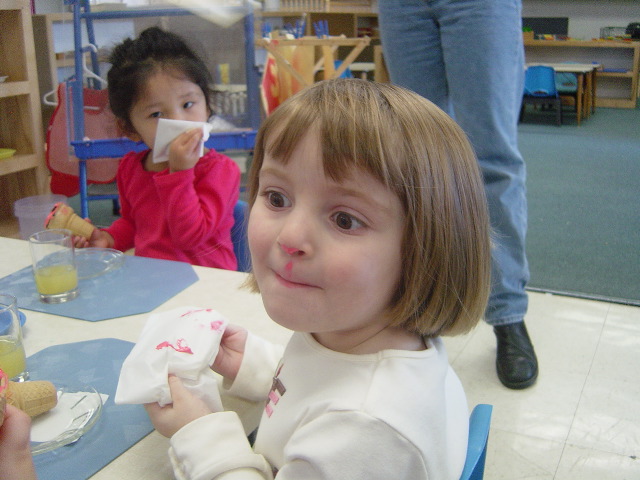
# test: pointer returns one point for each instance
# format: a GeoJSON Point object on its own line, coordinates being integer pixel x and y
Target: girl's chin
{"type": "Point", "coordinates": [289, 313]}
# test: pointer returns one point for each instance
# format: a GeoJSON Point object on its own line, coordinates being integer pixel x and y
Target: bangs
{"type": "Point", "coordinates": [351, 138]}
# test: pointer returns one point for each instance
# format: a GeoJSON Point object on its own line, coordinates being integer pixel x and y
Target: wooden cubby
{"type": "Point", "coordinates": [24, 174]}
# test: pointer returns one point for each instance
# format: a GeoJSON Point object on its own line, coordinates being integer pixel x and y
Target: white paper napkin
{"type": "Point", "coordinates": [168, 130]}
{"type": "Point", "coordinates": [183, 342]}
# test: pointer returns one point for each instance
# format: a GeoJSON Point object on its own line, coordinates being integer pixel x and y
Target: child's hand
{"type": "Point", "coordinates": [184, 151]}
{"type": "Point", "coordinates": [186, 407]}
{"type": "Point", "coordinates": [99, 238]}
{"type": "Point", "coordinates": [15, 451]}
{"type": "Point", "coordinates": [229, 358]}
{"type": "Point", "coordinates": [81, 242]}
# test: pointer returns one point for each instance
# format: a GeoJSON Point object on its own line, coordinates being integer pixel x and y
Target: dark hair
{"type": "Point", "coordinates": [135, 60]}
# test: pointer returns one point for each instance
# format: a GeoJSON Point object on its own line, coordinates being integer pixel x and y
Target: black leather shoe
{"type": "Point", "coordinates": [516, 361]}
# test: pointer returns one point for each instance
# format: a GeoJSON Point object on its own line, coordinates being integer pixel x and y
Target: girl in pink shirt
{"type": "Point", "coordinates": [180, 209]}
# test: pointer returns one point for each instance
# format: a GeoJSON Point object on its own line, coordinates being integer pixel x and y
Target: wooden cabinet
{"type": "Point", "coordinates": [24, 173]}
{"type": "Point", "coordinates": [617, 84]}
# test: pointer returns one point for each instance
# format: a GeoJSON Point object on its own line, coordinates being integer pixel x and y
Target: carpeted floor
{"type": "Point", "coordinates": [584, 204]}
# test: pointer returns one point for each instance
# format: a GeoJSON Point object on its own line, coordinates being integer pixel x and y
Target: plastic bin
{"type": "Point", "coordinates": [32, 212]}
{"type": "Point", "coordinates": [613, 32]}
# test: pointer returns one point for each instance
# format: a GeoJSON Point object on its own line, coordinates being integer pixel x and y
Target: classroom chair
{"type": "Point", "coordinates": [540, 89]}
{"type": "Point", "coordinates": [239, 236]}
{"type": "Point", "coordinates": [479, 424]}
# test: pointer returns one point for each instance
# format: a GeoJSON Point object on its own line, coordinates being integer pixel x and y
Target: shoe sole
{"type": "Point", "coordinates": [517, 385]}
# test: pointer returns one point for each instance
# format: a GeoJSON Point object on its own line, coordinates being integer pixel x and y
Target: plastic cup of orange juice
{"type": "Point", "coordinates": [13, 361]}
{"type": "Point", "coordinates": [54, 265]}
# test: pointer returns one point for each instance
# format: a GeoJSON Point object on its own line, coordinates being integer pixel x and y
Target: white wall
{"type": "Point", "coordinates": [586, 17]}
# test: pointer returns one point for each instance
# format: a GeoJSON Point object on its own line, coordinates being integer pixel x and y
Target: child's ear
{"type": "Point", "coordinates": [125, 129]}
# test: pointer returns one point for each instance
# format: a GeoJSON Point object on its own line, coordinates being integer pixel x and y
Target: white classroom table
{"type": "Point", "coordinates": [216, 289]}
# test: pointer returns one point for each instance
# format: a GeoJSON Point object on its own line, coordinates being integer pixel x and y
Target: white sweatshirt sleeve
{"type": "Point", "coordinates": [215, 447]}
{"type": "Point", "coordinates": [247, 394]}
{"type": "Point", "coordinates": [339, 445]}
{"type": "Point", "coordinates": [258, 367]}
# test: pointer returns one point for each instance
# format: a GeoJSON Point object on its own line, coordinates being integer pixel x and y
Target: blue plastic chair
{"type": "Point", "coordinates": [479, 424]}
{"type": "Point", "coordinates": [239, 236]}
{"type": "Point", "coordinates": [540, 89]}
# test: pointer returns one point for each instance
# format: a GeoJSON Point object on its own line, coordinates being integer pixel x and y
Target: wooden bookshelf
{"type": "Point", "coordinates": [23, 174]}
{"type": "Point", "coordinates": [352, 24]}
{"type": "Point", "coordinates": [620, 55]}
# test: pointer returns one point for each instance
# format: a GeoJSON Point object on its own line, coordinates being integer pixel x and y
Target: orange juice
{"type": "Point", "coordinates": [56, 279]}
{"type": "Point", "coordinates": [12, 357]}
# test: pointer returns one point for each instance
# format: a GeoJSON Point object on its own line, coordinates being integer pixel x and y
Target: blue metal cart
{"type": "Point", "coordinates": [86, 150]}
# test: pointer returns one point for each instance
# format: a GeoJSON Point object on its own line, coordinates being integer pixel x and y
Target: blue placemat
{"type": "Point", "coordinates": [96, 363]}
{"type": "Point", "coordinates": [139, 286]}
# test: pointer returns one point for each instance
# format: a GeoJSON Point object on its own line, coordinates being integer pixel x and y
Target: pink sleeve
{"type": "Point", "coordinates": [197, 201]}
{"type": "Point", "coordinates": [122, 230]}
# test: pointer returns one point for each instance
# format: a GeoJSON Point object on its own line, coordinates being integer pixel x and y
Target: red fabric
{"type": "Point", "coordinates": [99, 123]}
{"type": "Point", "coordinates": [185, 216]}
{"type": "Point", "coordinates": [270, 85]}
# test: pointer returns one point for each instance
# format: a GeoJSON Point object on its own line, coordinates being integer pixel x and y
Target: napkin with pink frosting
{"type": "Point", "coordinates": [183, 342]}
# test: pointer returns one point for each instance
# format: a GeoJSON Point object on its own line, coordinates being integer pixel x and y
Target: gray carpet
{"type": "Point", "coordinates": [584, 204]}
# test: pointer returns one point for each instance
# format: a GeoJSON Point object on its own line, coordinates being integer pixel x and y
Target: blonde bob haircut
{"type": "Point", "coordinates": [420, 154]}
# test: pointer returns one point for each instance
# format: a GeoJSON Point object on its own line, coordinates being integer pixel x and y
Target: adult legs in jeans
{"type": "Point", "coordinates": [467, 57]}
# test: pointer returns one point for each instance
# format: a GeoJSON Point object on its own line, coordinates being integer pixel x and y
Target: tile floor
{"type": "Point", "coordinates": [581, 420]}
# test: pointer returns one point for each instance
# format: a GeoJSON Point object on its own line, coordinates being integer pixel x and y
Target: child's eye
{"type": "Point", "coordinates": [156, 114]}
{"type": "Point", "coordinates": [188, 105]}
{"type": "Point", "coordinates": [344, 221]}
{"type": "Point", "coordinates": [277, 199]}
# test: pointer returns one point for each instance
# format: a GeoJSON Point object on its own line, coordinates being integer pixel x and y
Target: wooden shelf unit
{"type": "Point", "coordinates": [24, 173]}
{"type": "Point", "coordinates": [352, 24]}
{"type": "Point", "coordinates": [610, 54]}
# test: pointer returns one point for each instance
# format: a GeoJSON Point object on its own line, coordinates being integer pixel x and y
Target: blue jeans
{"type": "Point", "coordinates": [467, 57]}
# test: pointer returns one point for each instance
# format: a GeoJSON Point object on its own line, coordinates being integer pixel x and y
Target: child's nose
{"type": "Point", "coordinates": [174, 116]}
{"type": "Point", "coordinates": [290, 250]}
{"type": "Point", "coordinates": [294, 237]}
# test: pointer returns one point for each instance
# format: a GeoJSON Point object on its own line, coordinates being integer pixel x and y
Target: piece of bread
{"type": "Point", "coordinates": [34, 398]}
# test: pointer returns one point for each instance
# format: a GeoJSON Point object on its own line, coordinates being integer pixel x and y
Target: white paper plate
{"type": "Point", "coordinates": [93, 262]}
{"type": "Point", "coordinates": [77, 411]}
